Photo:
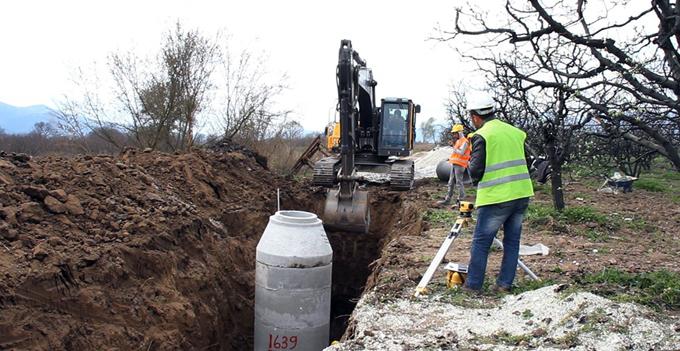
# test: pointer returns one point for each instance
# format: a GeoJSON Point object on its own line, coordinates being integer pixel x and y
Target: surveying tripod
{"type": "Point", "coordinates": [465, 209]}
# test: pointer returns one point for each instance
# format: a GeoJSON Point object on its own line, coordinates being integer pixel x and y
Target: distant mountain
{"type": "Point", "coordinates": [18, 120]}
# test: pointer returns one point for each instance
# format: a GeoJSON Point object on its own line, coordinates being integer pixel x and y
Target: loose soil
{"type": "Point", "coordinates": [646, 238]}
{"type": "Point", "coordinates": [138, 251]}
{"type": "Point", "coordinates": [153, 251]}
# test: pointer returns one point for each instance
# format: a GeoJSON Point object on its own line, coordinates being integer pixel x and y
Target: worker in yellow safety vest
{"type": "Point", "coordinates": [498, 166]}
{"type": "Point", "coordinates": [459, 159]}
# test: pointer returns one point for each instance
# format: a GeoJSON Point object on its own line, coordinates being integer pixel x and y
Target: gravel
{"type": "Point", "coordinates": [542, 319]}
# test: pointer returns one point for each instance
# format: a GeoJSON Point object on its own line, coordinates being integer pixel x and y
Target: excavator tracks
{"type": "Point", "coordinates": [325, 171]}
{"type": "Point", "coordinates": [402, 175]}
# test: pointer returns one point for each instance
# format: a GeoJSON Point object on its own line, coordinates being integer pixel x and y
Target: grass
{"type": "Point", "coordinates": [503, 337]}
{"type": "Point", "coordinates": [530, 284]}
{"type": "Point", "coordinates": [596, 235]}
{"type": "Point", "coordinates": [440, 216]}
{"type": "Point", "coordinates": [675, 199]}
{"type": "Point", "coordinates": [509, 339]}
{"type": "Point", "coordinates": [461, 298]}
{"type": "Point", "coordinates": [580, 214]}
{"type": "Point", "coordinates": [640, 225]}
{"type": "Point", "coordinates": [671, 175]}
{"type": "Point", "coordinates": [542, 188]}
{"type": "Point", "coordinates": [651, 184]}
{"type": "Point", "coordinates": [542, 214]}
{"type": "Point", "coordinates": [657, 289]}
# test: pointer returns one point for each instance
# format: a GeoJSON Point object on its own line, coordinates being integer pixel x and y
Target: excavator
{"type": "Point", "coordinates": [372, 139]}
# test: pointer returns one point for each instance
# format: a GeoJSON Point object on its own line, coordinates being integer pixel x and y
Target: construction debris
{"type": "Point", "coordinates": [547, 318]}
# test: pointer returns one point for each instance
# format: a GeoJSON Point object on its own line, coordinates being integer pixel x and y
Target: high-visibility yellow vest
{"type": "Point", "coordinates": [506, 175]}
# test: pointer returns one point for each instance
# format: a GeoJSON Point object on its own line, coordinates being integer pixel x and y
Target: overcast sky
{"type": "Point", "coordinates": [42, 41]}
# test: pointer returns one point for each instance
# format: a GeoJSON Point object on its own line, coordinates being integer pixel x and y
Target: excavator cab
{"type": "Point", "coordinates": [397, 127]}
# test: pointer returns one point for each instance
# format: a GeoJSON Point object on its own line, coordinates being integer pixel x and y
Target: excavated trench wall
{"type": "Point", "coordinates": [157, 252]}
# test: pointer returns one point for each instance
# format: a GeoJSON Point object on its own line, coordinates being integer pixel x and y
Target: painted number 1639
{"type": "Point", "coordinates": [278, 342]}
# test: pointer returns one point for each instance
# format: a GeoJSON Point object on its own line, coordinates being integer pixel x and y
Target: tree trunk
{"type": "Point", "coordinates": [555, 175]}
{"type": "Point", "coordinates": [556, 183]}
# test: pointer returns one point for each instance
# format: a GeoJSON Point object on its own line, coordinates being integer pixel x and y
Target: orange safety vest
{"type": "Point", "coordinates": [458, 158]}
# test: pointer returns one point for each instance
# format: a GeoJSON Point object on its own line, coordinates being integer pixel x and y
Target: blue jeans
{"type": "Point", "coordinates": [489, 220]}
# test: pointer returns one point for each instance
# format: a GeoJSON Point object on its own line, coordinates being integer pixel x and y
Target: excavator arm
{"type": "Point", "coordinates": [347, 207]}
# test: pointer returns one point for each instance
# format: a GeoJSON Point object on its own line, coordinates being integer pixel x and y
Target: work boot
{"type": "Point", "coordinates": [470, 291]}
{"type": "Point", "coordinates": [498, 289]}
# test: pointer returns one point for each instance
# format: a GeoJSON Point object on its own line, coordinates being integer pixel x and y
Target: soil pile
{"type": "Point", "coordinates": [138, 251]}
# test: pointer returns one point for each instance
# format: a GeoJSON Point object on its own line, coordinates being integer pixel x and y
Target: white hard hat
{"type": "Point", "coordinates": [482, 103]}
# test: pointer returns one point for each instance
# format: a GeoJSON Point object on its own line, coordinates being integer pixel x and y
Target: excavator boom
{"type": "Point", "coordinates": [347, 208]}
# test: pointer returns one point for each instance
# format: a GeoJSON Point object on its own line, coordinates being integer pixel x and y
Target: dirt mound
{"type": "Point", "coordinates": [138, 251]}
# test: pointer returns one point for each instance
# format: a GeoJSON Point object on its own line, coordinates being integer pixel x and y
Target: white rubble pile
{"type": "Point", "coordinates": [542, 319]}
{"type": "Point", "coordinates": [426, 162]}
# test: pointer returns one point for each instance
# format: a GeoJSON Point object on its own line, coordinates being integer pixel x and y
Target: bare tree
{"type": "Point", "coordinates": [156, 100]}
{"type": "Point", "coordinates": [428, 129]}
{"type": "Point", "coordinates": [632, 84]}
{"type": "Point", "coordinates": [247, 98]}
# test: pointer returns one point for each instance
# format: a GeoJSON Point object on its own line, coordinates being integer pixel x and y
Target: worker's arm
{"type": "Point", "coordinates": [477, 158]}
{"type": "Point", "coordinates": [461, 149]}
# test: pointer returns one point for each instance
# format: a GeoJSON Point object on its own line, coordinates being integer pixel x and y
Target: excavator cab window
{"type": "Point", "coordinates": [394, 130]}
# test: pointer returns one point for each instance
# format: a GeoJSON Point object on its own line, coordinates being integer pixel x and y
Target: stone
{"type": "Point", "coordinates": [40, 252]}
{"type": "Point", "coordinates": [35, 192]}
{"type": "Point", "coordinates": [55, 241]}
{"type": "Point", "coordinates": [7, 232]}
{"type": "Point", "coordinates": [21, 157]}
{"type": "Point", "coordinates": [59, 194]}
{"type": "Point", "coordinates": [54, 205]}
{"type": "Point", "coordinates": [30, 212]}
{"type": "Point", "coordinates": [7, 165]}
{"type": "Point", "coordinates": [5, 179]}
{"type": "Point", "coordinates": [73, 206]}
{"type": "Point", "coordinates": [9, 214]}
{"type": "Point", "coordinates": [538, 332]}
{"type": "Point", "coordinates": [147, 150]}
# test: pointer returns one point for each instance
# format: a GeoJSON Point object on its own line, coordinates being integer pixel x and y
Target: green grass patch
{"type": "Point", "coordinates": [671, 175]}
{"type": "Point", "coordinates": [530, 284]}
{"type": "Point", "coordinates": [440, 216]}
{"type": "Point", "coordinates": [650, 184]}
{"type": "Point", "coordinates": [657, 289]}
{"type": "Point", "coordinates": [596, 235]}
{"type": "Point", "coordinates": [581, 214]}
{"type": "Point", "coordinates": [542, 188]}
{"type": "Point", "coordinates": [540, 214]}
{"type": "Point", "coordinates": [512, 340]}
{"type": "Point", "coordinates": [675, 199]}
{"type": "Point", "coordinates": [461, 298]}
{"type": "Point", "coordinates": [640, 225]}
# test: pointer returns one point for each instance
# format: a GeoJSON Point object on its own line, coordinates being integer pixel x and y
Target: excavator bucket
{"type": "Point", "coordinates": [350, 214]}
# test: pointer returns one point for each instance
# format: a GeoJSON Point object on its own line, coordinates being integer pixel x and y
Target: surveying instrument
{"type": "Point", "coordinates": [465, 209]}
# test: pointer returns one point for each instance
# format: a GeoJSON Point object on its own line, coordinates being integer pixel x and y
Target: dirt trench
{"type": "Point", "coordinates": [155, 251]}
{"type": "Point", "coordinates": [356, 255]}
